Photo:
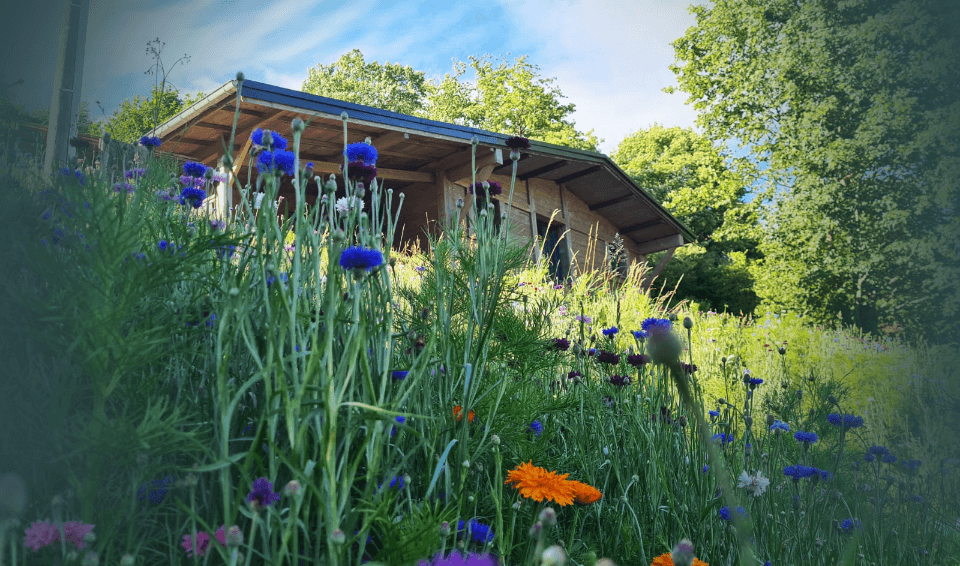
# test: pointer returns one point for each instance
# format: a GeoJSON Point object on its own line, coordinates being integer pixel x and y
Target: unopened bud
{"type": "Point", "coordinates": [233, 537]}
{"type": "Point", "coordinates": [682, 554]}
{"type": "Point", "coordinates": [444, 529]}
{"type": "Point", "coordinates": [297, 125]}
{"type": "Point", "coordinates": [548, 517]}
{"type": "Point", "coordinates": [554, 556]}
{"type": "Point", "coordinates": [495, 440]}
{"type": "Point", "coordinates": [292, 488]}
{"type": "Point", "coordinates": [128, 560]}
{"type": "Point", "coordinates": [687, 323]}
{"type": "Point", "coordinates": [338, 536]}
{"type": "Point", "coordinates": [832, 399]}
{"type": "Point", "coordinates": [240, 76]}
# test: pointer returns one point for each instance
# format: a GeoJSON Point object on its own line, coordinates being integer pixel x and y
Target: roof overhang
{"type": "Point", "coordinates": [411, 150]}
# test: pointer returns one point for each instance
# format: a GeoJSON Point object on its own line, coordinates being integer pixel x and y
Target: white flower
{"type": "Point", "coordinates": [753, 484]}
{"type": "Point", "coordinates": [345, 204]}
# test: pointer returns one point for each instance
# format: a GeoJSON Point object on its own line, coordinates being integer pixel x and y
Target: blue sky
{"type": "Point", "coordinates": [609, 58]}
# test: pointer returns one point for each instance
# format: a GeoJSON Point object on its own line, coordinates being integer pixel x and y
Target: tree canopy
{"type": "Point", "coordinates": [853, 108]}
{"type": "Point", "coordinates": [504, 98]}
{"type": "Point", "coordinates": [692, 180]}
{"type": "Point", "coordinates": [135, 117]}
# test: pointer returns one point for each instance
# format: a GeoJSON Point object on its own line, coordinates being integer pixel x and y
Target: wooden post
{"type": "Point", "coordinates": [65, 103]}
{"type": "Point", "coordinates": [533, 220]}
{"type": "Point", "coordinates": [566, 220]}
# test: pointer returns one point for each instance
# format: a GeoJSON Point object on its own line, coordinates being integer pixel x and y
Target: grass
{"type": "Point", "coordinates": [160, 379]}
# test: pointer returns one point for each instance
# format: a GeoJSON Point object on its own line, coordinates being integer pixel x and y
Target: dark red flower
{"type": "Point", "coordinates": [608, 357]}
{"type": "Point", "coordinates": [361, 172]}
{"type": "Point", "coordinates": [620, 380]}
{"type": "Point", "coordinates": [561, 344]}
{"type": "Point", "coordinates": [637, 360]}
{"type": "Point", "coordinates": [517, 142]}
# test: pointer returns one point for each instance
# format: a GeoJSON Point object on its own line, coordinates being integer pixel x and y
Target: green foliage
{"type": "Point", "coordinates": [504, 98]}
{"type": "Point", "coordinates": [390, 86]}
{"type": "Point", "coordinates": [851, 105]}
{"type": "Point", "coordinates": [135, 118]}
{"type": "Point", "coordinates": [510, 99]}
{"type": "Point", "coordinates": [692, 180]}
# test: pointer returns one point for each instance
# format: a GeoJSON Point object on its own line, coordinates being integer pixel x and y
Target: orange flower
{"type": "Point", "coordinates": [538, 484]}
{"type": "Point", "coordinates": [585, 494]}
{"type": "Point", "coordinates": [458, 413]}
{"type": "Point", "coordinates": [667, 560]}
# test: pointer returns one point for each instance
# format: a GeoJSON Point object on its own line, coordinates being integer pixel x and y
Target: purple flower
{"type": "Point", "coordinates": [361, 172]}
{"type": "Point", "coordinates": [494, 188]}
{"type": "Point", "coordinates": [193, 196]}
{"type": "Point", "coordinates": [361, 151]}
{"type": "Point", "coordinates": [263, 493]}
{"type": "Point", "coordinates": [638, 360]}
{"type": "Point", "coordinates": [457, 559]}
{"type": "Point", "coordinates": [135, 173]}
{"type": "Point", "coordinates": [561, 344]}
{"type": "Point", "coordinates": [536, 428]}
{"type": "Point", "coordinates": [620, 380]}
{"type": "Point", "coordinates": [848, 525]}
{"type": "Point", "coordinates": [517, 142]}
{"type": "Point", "coordinates": [724, 438]}
{"type": "Point", "coordinates": [608, 357]}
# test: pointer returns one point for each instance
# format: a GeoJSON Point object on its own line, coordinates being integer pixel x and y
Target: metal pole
{"type": "Point", "coordinates": [65, 103]}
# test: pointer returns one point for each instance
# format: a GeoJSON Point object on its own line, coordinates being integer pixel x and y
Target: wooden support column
{"type": "Point", "coordinates": [234, 174]}
{"type": "Point", "coordinates": [444, 206]}
{"type": "Point", "coordinates": [533, 220]}
{"type": "Point", "coordinates": [649, 277]}
{"type": "Point", "coordinates": [566, 220]}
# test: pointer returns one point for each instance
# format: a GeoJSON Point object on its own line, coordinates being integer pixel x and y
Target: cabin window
{"type": "Point", "coordinates": [554, 250]}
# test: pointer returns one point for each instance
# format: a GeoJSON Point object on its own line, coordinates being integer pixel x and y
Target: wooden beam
{"type": "Point", "coordinates": [568, 236]}
{"type": "Point", "coordinates": [583, 173]}
{"type": "Point", "coordinates": [634, 227]}
{"type": "Point", "coordinates": [219, 127]}
{"type": "Point", "coordinates": [466, 170]}
{"type": "Point", "coordinates": [611, 202]}
{"type": "Point", "coordinates": [250, 112]}
{"type": "Point", "coordinates": [650, 276]}
{"type": "Point", "coordinates": [544, 169]}
{"type": "Point", "coordinates": [508, 166]}
{"type": "Point", "coordinates": [533, 221]}
{"type": "Point", "coordinates": [327, 167]}
{"type": "Point", "coordinates": [660, 244]}
{"type": "Point", "coordinates": [241, 131]}
{"type": "Point", "coordinates": [389, 139]}
{"type": "Point", "coordinates": [455, 159]}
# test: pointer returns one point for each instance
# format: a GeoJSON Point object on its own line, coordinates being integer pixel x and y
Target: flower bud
{"type": "Point", "coordinates": [338, 536]}
{"type": "Point", "coordinates": [128, 560]}
{"type": "Point", "coordinates": [831, 399]}
{"type": "Point", "coordinates": [554, 556]}
{"type": "Point", "coordinates": [495, 439]}
{"type": "Point", "coordinates": [687, 323]}
{"type": "Point", "coordinates": [444, 529]}
{"type": "Point", "coordinates": [292, 488]}
{"type": "Point", "coordinates": [233, 537]}
{"type": "Point", "coordinates": [90, 538]}
{"type": "Point", "coordinates": [682, 554]}
{"type": "Point", "coordinates": [548, 517]}
{"type": "Point", "coordinates": [297, 125]}
{"type": "Point", "coordinates": [240, 76]}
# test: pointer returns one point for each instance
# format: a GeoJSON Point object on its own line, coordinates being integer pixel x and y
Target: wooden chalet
{"type": "Point", "coordinates": [590, 198]}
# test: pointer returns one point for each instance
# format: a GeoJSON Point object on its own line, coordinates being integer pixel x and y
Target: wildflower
{"type": "Point", "coordinates": [493, 187]}
{"type": "Point", "coordinates": [135, 173]}
{"type": "Point", "coordinates": [158, 492]}
{"type": "Point", "coordinates": [361, 172]}
{"type": "Point", "coordinates": [277, 162]}
{"type": "Point", "coordinates": [478, 531]}
{"type": "Point", "coordinates": [779, 426]}
{"type": "Point", "coordinates": [163, 245]}
{"type": "Point", "coordinates": [639, 334]}
{"type": "Point", "coordinates": [420, 269]}
{"type": "Point", "coordinates": [651, 325]}
{"type": "Point", "coordinates": [346, 204]}
{"type": "Point", "coordinates": [574, 375]}
{"type": "Point", "coordinates": [845, 421]}
{"type": "Point", "coordinates": [561, 344]}
{"type": "Point", "coordinates": [457, 413]}
{"type": "Point", "coordinates": [753, 382]}
{"type": "Point", "coordinates": [400, 420]}
{"type": "Point", "coordinates": [726, 515]}
{"type": "Point", "coordinates": [724, 438]}
{"type": "Point", "coordinates": [688, 368]}
{"type": "Point", "coordinates": [753, 484]}
{"type": "Point", "coordinates": [619, 380]}
{"type": "Point", "coordinates": [807, 438]}
{"type": "Point", "coordinates": [41, 534]}
{"type": "Point", "coordinates": [667, 560]}
{"type": "Point", "coordinates": [517, 142]}
{"type": "Point", "coordinates": [608, 357]}
{"type": "Point", "coordinates": [878, 450]}
{"type": "Point", "coordinates": [396, 482]}
{"type": "Point", "coordinates": [583, 319]}
{"type": "Point", "coordinates": [713, 414]}
{"type": "Point", "coordinates": [201, 542]}
{"type": "Point", "coordinates": [400, 375]}
{"type": "Point", "coordinates": [888, 458]}
{"type": "Point", "coordinates": [664, 344]}
{"type": "Point", "coordinates": [362, 152]}
{"type": "Point", "coordinates": [799, 472]}
{"type": "Point", "coordinates": [638, 360]}
{"type": "Point", "coordinates": [193, 196]}
{"type": "Point", "coordinates": [536, 428]}
{"type": "Point", "coordinates": [457, 559]}
{"type": "Point", "coordinates": [610, 332]}
{"type": "Point", "coordinates": [538, 484]}
{"type": "Point", "coordinates": [263, 493]}
{"type": "Point", "coordinates": [360, 258]}
{"type": "Point", "coordinates": [868, 457]}
{"type": "Point", "coordinates": [848, 525]}
{"type": "Point", "coordinates": [194, 169]}
{"type": "Point", "coordinates": [705, 468]}
{"type": "Point", "coordinates": [585, 494]}
{"type": "Point", "coordinates": [118, 187]}
{"type": "Point", "coordinates": [276, 140]}
{"type": "Point", "coordinates": [148, 141]}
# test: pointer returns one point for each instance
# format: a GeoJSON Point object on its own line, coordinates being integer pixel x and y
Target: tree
{"type": "Point", "coordinates": [389, 87]}
{"type": "Point", "coordinates": [503, 98]}
{"type": "Point", "coordinates": [853, 108]}
{"type": "Point", "coordinates": [509, 100]}
{"type": "Point", "coordinates": [691, 179]}
{"type": "Point", "coordinates": [135, 118]}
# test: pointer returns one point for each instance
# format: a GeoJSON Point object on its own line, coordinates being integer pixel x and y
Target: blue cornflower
{"type": "Point", "coordinates": [705, 468]}
{"type": "Point", "coordinates": [713, 413]}
{"type": "Point", "coordinates": [66, 171]}
{"type": "Point", "coordinates": [162, 244]}
{"type": "Point", "coordinates": [277, 161]}
{"type": "Point", "coordinates": [134, 173]}
{"type": "Point", "coordinates": [400, 420]}
{"type": "Point", "coordinates": [779, 426]}
{"type": "Point", "coordinates": [400, 375]}
{"type": "Point", "coordinates": [536, 428]}
{"type": "Point", "coordinates": [868, 457]}
{"type": "Point", "coordinates": [194, 169]}
{"type": "Point", "coordinates": [878, 450]}
{"type": "Point", "coordinates": [193, 196]}
{"type": "Point", "coordinates": [263, 492]}
{"type": "Point", "coordinates": [726, 515]}
{"type": "Point", "coordinates": [889, 459]}
{"type": "Point", "coordinates": [360, 258]}
{"type": "Point", "coordinates": [361, 151]}
{"type": "Point", "coordinates": [652, 324]}
{"type": "Point", "coordinates": [754, 381]}
{"type": "Point", "coordinates": [610, 332]}
{"type": "Point", "coordinates": [723, 437]}
{"type": "Point", "coordinates": [150, 141]}
{"type": "Point", "coordinates": [807, 438]}
{"type": "Point", "coordinates": [848, 525]}
{"type": "Point", "coordinates": [799, 471]}
{"type": "Point", "coordinates": [911, 465]}
{"type": "Point", "coordinates": [845, 421]}
{"type": "Point", "coordinates": [396, 482]}
{"type": "Point", "coordinates": [158, 492]}
{"type": "Point", "coordinates": [277, 141]}
{"type": "Point", "coordinates": [479, 532]}
{"type": "Point", "coordinates": [639, 334]}
{"type": "Point", "coordinates": [226, 251]}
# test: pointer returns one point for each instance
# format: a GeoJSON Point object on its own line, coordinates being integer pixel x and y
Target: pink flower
{"type": "Point", "coordinates": [203, 541]}
{"type": "Point", "coordinates": [563, 310]}
{"type": "Point", "coordinates": [41, 534]}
